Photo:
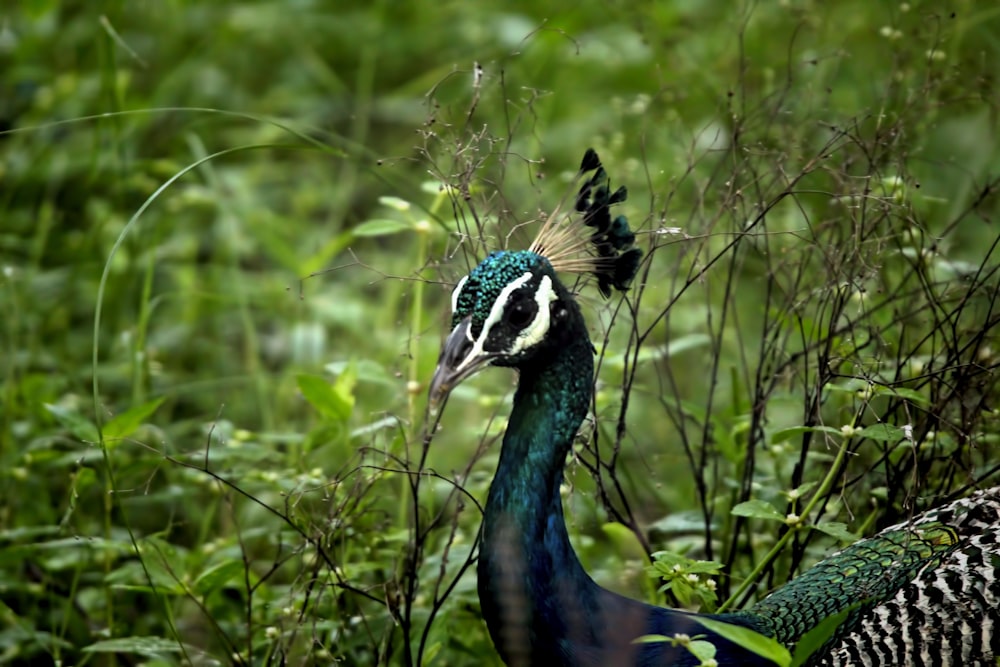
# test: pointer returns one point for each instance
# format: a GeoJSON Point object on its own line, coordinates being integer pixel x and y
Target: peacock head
{"type": "Point", "coordinates": [513, 307]}
{"type": "Point", "coordinates": [507, 309]}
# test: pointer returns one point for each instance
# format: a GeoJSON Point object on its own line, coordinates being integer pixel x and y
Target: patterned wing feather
{"type": "Point", "coordinates": [929, 592]}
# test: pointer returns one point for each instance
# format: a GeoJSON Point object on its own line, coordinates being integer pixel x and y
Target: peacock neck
{"type": "Point", "coordinates": [539, 604]}
{"type": "Point", "coordinates": [529, 575]}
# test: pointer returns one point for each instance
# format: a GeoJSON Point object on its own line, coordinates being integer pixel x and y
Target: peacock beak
{"type": "Point", "coordinates": [460, 358]}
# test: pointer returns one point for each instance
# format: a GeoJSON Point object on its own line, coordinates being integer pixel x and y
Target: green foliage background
{"type": "Point", "coordinates": [226, 259]}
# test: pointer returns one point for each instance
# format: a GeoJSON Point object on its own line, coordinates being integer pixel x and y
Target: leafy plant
{"type": "Point", "coordinates": [229, 232]}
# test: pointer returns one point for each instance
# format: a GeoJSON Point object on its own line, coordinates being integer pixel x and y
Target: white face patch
{"type": "Point", "coordinates": [458, 290]}
{"type": "Point", "coordinates": [531, 334]}
{"type": "Point", "coordinates": [535, 332]}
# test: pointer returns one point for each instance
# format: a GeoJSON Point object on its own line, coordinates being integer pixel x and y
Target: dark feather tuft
{"type": "Point", "coordinates": [590, 161]}
{"type": "Point", "coordinates": [620, 236]}
{"type": "Point", "coordinates": [612, 239]}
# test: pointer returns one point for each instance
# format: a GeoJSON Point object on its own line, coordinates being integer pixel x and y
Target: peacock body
{"type": "Point", "coordinates": [922, 592]}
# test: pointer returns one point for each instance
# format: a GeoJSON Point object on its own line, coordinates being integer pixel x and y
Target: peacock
{"type": "Point", "coordinates": [926, 591]}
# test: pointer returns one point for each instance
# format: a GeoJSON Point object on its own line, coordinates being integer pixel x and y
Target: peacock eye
{"type": "Point", "coordinates": [521, 313]}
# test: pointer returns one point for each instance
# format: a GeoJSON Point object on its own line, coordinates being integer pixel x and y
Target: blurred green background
{"type": "Point", "coordinates": [227, 250]}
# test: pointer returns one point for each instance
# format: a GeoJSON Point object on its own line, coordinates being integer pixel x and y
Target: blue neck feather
{"type": "Point", "coordinates": [540, 605]}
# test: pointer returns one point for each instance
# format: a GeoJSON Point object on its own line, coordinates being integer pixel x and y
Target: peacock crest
{"type": "Point", "coordinates": [592, 241]}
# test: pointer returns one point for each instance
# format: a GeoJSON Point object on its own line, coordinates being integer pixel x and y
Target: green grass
{"type": "Point", "coordinates": [227, 254]}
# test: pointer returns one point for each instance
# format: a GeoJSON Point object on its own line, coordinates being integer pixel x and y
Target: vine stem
{"type": "Point", "coordinates": [824, 488]}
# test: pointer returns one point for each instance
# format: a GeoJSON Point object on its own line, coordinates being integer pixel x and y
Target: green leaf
{"type": "Point", "coordinates": [682, 590]}
{"type": "Point", "coordinates": [394, 202]}
{"type": "Point", "coordinates": [816, 638]}
{"type": "Point", "coordinates": [625, 541]}
{"type": "Point", "coordinates": [126, 423]}
{"type": "Point", "coordinates": [836, 529]}
{"type": "Point", "coordinates": [701, 649]}
{"type": "Point", "coordinates": [324, 397]}
{"type": "Point", "coordinates": [381, 227]}
{"type": "Point", "coordinates": [801, 490]}
{"type": "Point", "coordinates": [758, 509]}
{"type": "Point", "coordinates": [881, 433]}
{"type": "Point", "coordinates": [784, 434]}
{"type": "Point", "coordinates": [74, 550]}
{"type": "Point", "coordinates": [704, 567]}
{"type": "Point", "coordinates": [343, 387]}
{"type": "Point", "coordinates": [432, 652]}
{"type": "Point", "coordinates": [81, 428]}
{"type": "Point", "coordinates": [161, 575]}
{"type": "Point", "coordinates": [432, 187]}
{"type": "Point", "coordinates": [909, 394]}
{"type": "Point", "coordinates": [147, 646]}
{"type": "Point", "coordinates": [850, 387]}
{"type": "Point", "coordinates": [667, 559]}
{"type": "Point", "coordinates": [672, 349]}
{"type": "Point", "coordinates": [766, 647]}
{"type": "Point", "coordinates": [218, 576]}
{"type": "Point", "coordinates": [332, 247]}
